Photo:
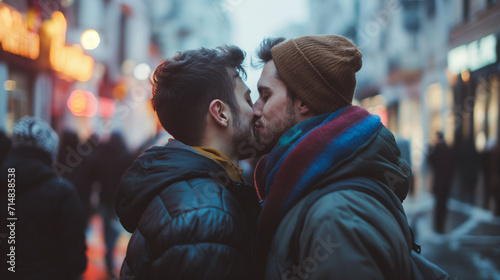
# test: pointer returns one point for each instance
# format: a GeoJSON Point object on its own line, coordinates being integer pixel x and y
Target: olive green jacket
{"type": "Point", "coordinates": [348, 234]}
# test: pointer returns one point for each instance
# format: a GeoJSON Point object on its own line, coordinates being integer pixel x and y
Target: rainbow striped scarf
{"type": "Point", "coordinates": [302, 156]}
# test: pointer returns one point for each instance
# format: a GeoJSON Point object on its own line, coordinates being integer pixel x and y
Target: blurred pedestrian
{"type": "Point", "coordinates": [486, 169]}
{"type": "Point", "coordinates": [5, 146]}
{"type": "Point", "coordinates": [317, 142]}
{"type": "Point", "coordinates": [190, 210]}
{"type": "Point", "coordinates": [49, 230]}
{"type": "Point", "coordinates": [495, 177]}
{"type": "Point", "coordinates": [468, 165]}
{"type": "Point", "coordinates": [113, 160]}
{"type": "Point", "coordinates": [441, 160]}
{"type": "Point", "coordinates": [81, 167]}
{"type": "Point", "coordinates": [89, 172]}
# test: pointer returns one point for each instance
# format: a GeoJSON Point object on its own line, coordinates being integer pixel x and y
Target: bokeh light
{"type": "Point", "coordinates": [90, 39]}
{"type": "Point", "coordinates": [142, 71]}
{"type": "Point", "coordinates": [82, 103]}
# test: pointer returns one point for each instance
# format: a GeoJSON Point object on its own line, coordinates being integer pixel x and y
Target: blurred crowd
{"type": "Point", "coordinates": [92, 169]}
{"type": "Point", "coordinates": [58, 189]}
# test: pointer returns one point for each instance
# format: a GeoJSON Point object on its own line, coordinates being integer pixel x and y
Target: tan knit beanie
{"type": "Point", "coordinates": [319, 70]}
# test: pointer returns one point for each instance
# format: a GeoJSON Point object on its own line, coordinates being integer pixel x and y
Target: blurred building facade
{"type": "Point", "coordinates": [428, 66]}
{"type": "Point", "coordinates": [45, 71]}
{"type": "Point", "coordinates": [189, 24]}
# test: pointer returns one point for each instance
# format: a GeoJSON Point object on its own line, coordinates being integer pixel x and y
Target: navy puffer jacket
{"type": "Point", "coordinates": [189, 219]}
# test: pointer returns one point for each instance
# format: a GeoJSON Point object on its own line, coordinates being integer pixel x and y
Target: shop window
{"type": "Point", "coordinates": [408, 115]}
{"type": "Point", "coordinates": [435, 124]}
{"type": "Point", "coordinates": [493, 104]}
{"type": "Point", "coordinates": [434, 97]}
{"type": "Point", "coordinates": [19, 98]}
{"type": "Point", "coordinates": [450, 118]}
{"type": "Point", "coordinates": [466, 9]}
{"type": "Point", "coordinates": [392, 115]}
{"type": "Point", "coordinates": [480, 107]}
{"type": "Point", "coordinates": [441, 114]}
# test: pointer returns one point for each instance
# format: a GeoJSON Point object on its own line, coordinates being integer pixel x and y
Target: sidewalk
{"type": "Point", "coordinates": [470, 249]}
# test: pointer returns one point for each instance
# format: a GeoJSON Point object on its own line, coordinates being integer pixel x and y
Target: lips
{"type": "Point", "coordinates": [257, 126]}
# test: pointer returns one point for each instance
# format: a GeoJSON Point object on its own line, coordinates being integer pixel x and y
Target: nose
{"type": "Point", "coordinates": [257, 108]}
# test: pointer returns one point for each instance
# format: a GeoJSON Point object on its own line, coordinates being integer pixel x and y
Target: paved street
{"type": "Point", "coordinates": [470, 249]}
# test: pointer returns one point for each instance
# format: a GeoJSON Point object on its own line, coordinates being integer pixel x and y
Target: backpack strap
{"type": "Point", "coordinates": [360, 184]}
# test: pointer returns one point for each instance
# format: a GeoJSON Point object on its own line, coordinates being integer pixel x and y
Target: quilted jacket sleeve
{"type": "Point", "coordinates": [194, 229]}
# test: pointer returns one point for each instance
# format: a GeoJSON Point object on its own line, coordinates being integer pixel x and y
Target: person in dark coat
{"type": "Point", "coordinates": [191, 212]}
{"type": "Point", "coordinates": [486, 170]}
{"type": "Point", "coordinates": [495, 177]}
{"type": "Point", "coordinates": [49, 228]}
{"type": "Point", "coordinates": [113, 160]}
{"type": "Point", "coordinates": [80, 162]}
{"type": "Point", "coordinates": [441, 160]}
{"type": "Point", "coordinates": [5, 146]}
{"type": "Point", "coordinates": [468, 167]}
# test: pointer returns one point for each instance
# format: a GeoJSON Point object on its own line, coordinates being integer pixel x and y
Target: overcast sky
{"type": "Point", "coordinates": [253, 20]}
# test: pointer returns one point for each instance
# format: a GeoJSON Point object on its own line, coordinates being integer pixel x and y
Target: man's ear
{"type": "Point", "coordinates": [301, 108]}
{"type": "Point", "coordinates": [218, 111]}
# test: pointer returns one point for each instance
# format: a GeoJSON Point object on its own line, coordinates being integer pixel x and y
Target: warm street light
{"type": "Point", "coordinates": [465, 75]}
{"type": "Point", "coordinates": [9, 85]}
{"type": "Point", "coordinates": [90, 39]}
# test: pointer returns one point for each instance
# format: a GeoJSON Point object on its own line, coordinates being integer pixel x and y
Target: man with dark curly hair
{"type": "Point", "coordinates": [191, 213]}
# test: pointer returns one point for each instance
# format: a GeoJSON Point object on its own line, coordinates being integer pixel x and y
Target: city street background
{"type": "Point", "coordinates": [429, 66]}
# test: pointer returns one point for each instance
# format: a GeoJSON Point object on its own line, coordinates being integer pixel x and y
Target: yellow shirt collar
{"type": "Point", "coordinates": [234, 171]}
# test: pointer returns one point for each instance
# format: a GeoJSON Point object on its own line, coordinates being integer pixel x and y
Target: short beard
{"type": "Point", "coordinates": [242, 138]}
{"type": "Point", "coordinates": [268, 143]}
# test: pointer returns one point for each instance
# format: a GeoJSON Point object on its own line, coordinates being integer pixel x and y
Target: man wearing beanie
{"type": "Point", "coordinates": [316, 141]}
{"type": "Point", "coordinates": [48, 228]}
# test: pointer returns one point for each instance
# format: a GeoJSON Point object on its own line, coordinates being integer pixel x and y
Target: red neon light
{"type": "Point", "coordinates": [82, 103]}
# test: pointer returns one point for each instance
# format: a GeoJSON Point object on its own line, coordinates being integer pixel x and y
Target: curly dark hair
{"type": "Point", "coordinates": [264, 51]}
{"type": "Point", "coordinates": [264, 54]}
{"type": "Point", "coordinates": [184, 86]}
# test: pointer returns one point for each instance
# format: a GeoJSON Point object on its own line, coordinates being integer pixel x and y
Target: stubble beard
{"type": "Point", "coordinates": [274, 131]}
{"type": "Point", "coordinates": [243, 134]}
